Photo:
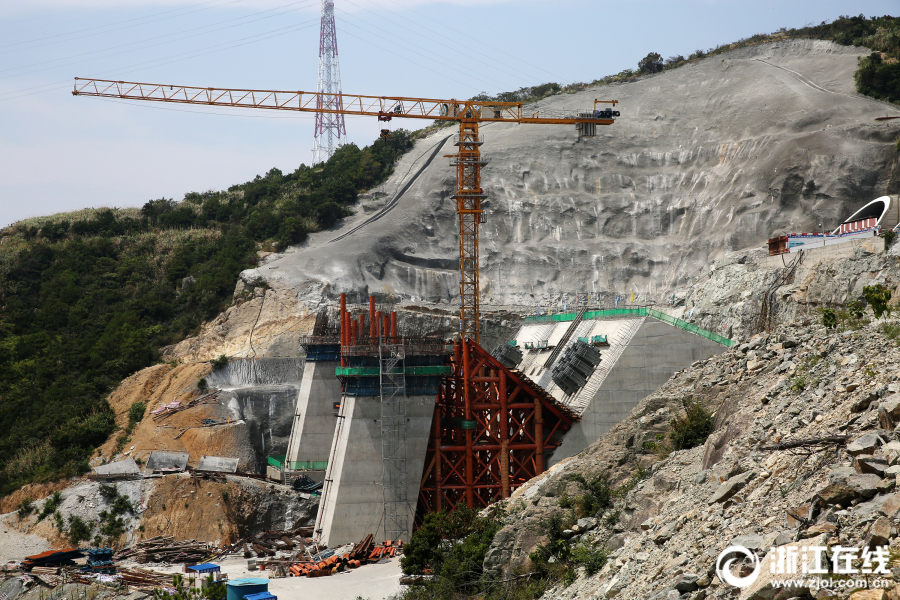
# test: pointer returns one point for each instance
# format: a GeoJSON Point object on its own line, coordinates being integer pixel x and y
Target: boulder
{"type": "Point", "coordinates": [750, 542]}
{"type": "Point", "coordinates": [731, 487]}
{"type": "Point", "coordinates": [889, 412]}
{"type": "Point", "coordinates": [820, 528]}
{"type": "Point", "coordinates": [587, 523]}
{"type": "Point", "coordinates": [891, 453]}
{"type": "Point", "coordinates": [687, 583]}
{"type": "Point", "coordinates": [865, 463]}
{"type": "Point", "coordinates": [777, 538]}
{"type": "Point", "coordinates": [864, 444]}
{"type": "Point", "coordinates": [879, 533]}
{"type": "Point", "coordinates": [665, 534]}
{"type": "Point", "coordinates": [843, 491]}
{"type": "Point", "coordinates": [865, 486]}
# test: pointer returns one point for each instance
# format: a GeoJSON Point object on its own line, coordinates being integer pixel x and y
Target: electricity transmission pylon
{"type": "Point", "coordinates": [330, 127]}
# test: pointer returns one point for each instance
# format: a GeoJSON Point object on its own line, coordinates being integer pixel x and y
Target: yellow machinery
{"type": "Point", "coordinates": [468, 113]}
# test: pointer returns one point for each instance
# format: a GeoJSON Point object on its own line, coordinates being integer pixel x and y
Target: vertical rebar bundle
{"type": "Point", "coordinates": [330, 127]}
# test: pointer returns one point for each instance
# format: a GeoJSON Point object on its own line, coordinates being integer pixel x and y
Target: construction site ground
{"type": "Point", "coordinates": [371, 582]}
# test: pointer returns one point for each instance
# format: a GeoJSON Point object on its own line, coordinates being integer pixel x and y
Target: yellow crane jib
{"type": "Point", "coordinates": [467, 160]}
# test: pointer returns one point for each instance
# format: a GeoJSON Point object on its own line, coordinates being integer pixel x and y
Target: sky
{"type": "Point", "coordinates": [59, 152]}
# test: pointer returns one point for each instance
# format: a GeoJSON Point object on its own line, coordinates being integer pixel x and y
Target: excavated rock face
{"type": "Point", "coordinates": [811, 387]}
{"type": "Point", "coordinates": [707, 159]}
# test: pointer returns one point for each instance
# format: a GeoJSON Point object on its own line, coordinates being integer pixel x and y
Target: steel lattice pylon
{"type": "Point", "coordinates": [330, 127]}
{"type": "Point", "coordinates": [393, 440]}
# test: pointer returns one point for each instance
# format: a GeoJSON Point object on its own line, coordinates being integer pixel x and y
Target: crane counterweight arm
{"type": "Point", "coordinates": [346, 104]}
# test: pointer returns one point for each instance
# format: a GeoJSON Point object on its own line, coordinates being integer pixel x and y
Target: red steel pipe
{"type": "Point", "coordinates": [372, 323]}
{"type": "Point", "coordinates": [379, 321]}
{"type": "Point", "coordinates": [394, 326]}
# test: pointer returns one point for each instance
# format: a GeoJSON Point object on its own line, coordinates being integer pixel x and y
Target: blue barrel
{"type": "Point", "coordinates": [239, 588]}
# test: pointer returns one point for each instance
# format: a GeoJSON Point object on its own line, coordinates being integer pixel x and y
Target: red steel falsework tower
{"type": "Point", "coordinates": [330, 127]}
{"type": "Point", "coordinates": [491, 430]}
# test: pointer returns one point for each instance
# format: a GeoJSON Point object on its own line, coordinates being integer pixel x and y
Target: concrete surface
{"type": "Point", "coordinates": [653, 354]}
{"type": "Point", "coordinates": [371, 582]}
{"type": "Point", "coordinates": [352, 499]}
{"type": "Point", "coordinates": [705, 159]}
{"type": "Point", "coordinates": [314, 415]}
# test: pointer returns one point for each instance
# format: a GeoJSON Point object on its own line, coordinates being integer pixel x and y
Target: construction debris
{"type": "Point", "coordinates": [166, 549]}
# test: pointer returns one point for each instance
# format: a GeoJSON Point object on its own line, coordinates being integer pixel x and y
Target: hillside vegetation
{"type": "Point", "coordinates": [87, 298]}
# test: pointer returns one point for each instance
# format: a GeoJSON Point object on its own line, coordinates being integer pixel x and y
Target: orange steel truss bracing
{"type": "Point", "coordinates": [491, 432]}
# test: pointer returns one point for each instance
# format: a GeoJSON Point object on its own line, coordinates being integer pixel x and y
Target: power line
{"type": "Point", "coordinates": [111, 30]}
{"type": "Point", "coordinates": [440, 62]}
{"type": "Point", "coordinates": [155, 38]}
{"type": "Point", "coordinates": [466, 36]}
{"type": "Point", "coordinates": [468, 85]}
{"type": "Point", "coordinates": [162, 61]}
{"type": "Point", "coordinates": [431, 39]}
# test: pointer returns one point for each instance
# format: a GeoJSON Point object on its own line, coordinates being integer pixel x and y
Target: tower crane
{"type": "Point", "coordinates": [468, 160]}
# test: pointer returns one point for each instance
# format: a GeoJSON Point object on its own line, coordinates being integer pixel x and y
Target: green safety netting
{"type": "Point", "coordinates": [635, 312]}
{"type": "Point", "coordinates": [300, 465]}
{"type": "Point", "coordinates": [375, 371]}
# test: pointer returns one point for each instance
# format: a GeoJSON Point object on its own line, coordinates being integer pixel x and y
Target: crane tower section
{"type": "Point", "coordinates": [330, 127]}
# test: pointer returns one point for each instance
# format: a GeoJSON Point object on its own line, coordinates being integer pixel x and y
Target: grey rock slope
{"type": "Point", "coordinates": [706, 159]}
{"type": "Point", "coordinates": [798, 386]}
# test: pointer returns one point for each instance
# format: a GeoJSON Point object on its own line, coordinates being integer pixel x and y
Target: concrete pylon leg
{"type": "Point", "coordinates": [315, 414]}
{"type": "Point", "coordinates": [352, 504]}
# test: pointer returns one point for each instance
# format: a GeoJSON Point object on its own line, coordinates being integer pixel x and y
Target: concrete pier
{"type": "Point", "coordinates": [353, 499]}
{"type": "Point", "coordinates": [315, 415]}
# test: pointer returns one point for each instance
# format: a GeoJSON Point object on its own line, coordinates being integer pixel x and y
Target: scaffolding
{"type": "Point", "coordinates": [393, 439]}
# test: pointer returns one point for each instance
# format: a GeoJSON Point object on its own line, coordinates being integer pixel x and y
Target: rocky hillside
{"type": "Point", "coordinates": [803, 452]}
{"type": "Point", "coordinates": [706, 159]}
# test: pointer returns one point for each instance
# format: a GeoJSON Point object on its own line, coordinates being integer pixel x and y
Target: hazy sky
{"type": "Point", "coordinates": [59, 152]}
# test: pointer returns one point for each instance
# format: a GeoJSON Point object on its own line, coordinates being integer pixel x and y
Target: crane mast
{"type": "Point", "coordinates": [330, 106]}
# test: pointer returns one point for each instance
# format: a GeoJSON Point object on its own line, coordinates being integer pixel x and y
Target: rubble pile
{"type": "Point", "coordinates": [805, 451]}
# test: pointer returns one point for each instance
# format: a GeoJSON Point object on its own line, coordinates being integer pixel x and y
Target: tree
{"type": "Point", "coordinates": [652, 63]}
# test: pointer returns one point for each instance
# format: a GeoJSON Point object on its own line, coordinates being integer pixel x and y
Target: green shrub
{"type": "Point", "coordinates": [693, 428]}
{"type": "Point", "coordinates": [878, 297]}
{"type": "Point", "coordinates": [598, 493]}
{"type": "Point", "coordinates": [136, 413]}
{"type": "Point", "coordinates": [218, 363]}
{"type": "Point", "coordinates": [79, 531]}
{"type": "Point", "coordinates": [890, 236]}
{"type": "Point", "coordinates": [109, 492]}
{"type": "Point", "coordinates": [592, 558]}
{"type": "Point", "coordinates": [50, 505]}
{"type": "Point", "coordinates": [829, 318]}
{"type": "Point", "coordinates": [202, 385]}
{"type": "Point", "coordinates": [26, 507]}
